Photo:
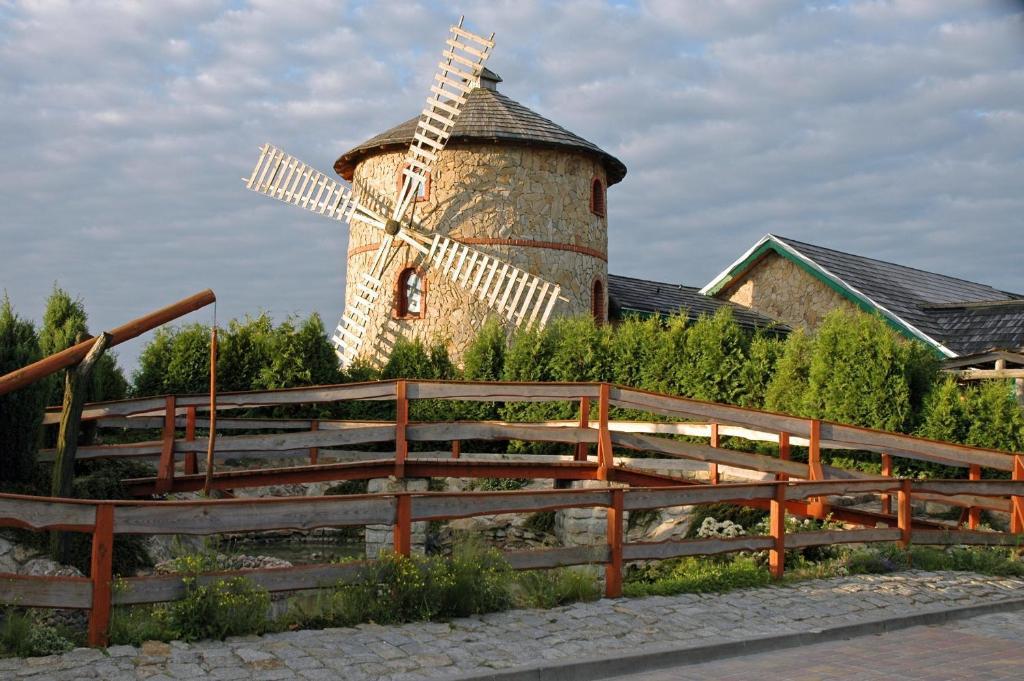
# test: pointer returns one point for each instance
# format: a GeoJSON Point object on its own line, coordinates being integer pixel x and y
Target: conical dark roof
{"type": "Point", "coordinates": [488, 116]}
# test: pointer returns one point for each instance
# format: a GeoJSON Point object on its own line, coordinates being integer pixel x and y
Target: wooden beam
{"type": "Point", "coordinates": [613, 568]}
{"type": "Point", "coordinates": [777, 530]}
{"type": "Point", "coordinates": [101, 574]}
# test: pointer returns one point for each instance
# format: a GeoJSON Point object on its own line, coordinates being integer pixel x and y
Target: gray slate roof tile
{"type": "Point", "coordinates": [656, 297]}
{"type": "Point", "coordinates": [488, 116]}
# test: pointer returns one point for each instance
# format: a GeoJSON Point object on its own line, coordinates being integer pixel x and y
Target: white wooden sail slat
{"type": "Point", "coordinates": [322, 206]}
{"type": "Point", "coordinates": [469, 268]}
{"type": "Point", "coordinates": [498, 284]}
{"type": "Point", "coordinates": [510, 310]}
{"type": "Point", "coordinates": [316, 188]}
{"type": "Point", "coordinates": [363, 301]}
{"type": "Point", "coordinates": [485, 260]}
{"type": "Point", "coordinates": [447, 97]}
{"type": "Point", "coordinates": [352, 324]}
{"type": "Point", "coordinates": [460, 84]}
{"type": "Point", "coordinates": [433, 248]}
{"type": "Point", "coordinates": [323, 183]}
{"type": "Point", "coordinates": [342, 331]}
{"type": "Point", "coordinates": [444, 106]}
{"type": "Point", "coordinates": [486, 288]}
{"type": "Point", "coordinates": [432, 143]}
{"type": "Point", "coordinates": [449, 69]}
{"type": "Point", "coordinates": [540, 303]}
{"type": "Point", "coordinates": [412, 241]}
{"type": "Point", "coordinates": [439, 116]}
{"type": "Point", "coordinates": [525, 305]}
{"type": "Point", "coordinates": [455, 44]}
{"type": "Point", "coordinates": [301, 193]}
{"type": "Point", "coordinates": [368, 291]}
{"type": "Point", "coordinates": [273, 163]}
{"type": "Point", "coordinates": [255, 170]}
{"type": "Point", "coordinates": [510, 284]}
{"type": "Point", "coordinates": [427, 127]}
{"type": "Point", "coordinates": [551, 306]}
{"type": "Point", "coordinates": [420, 150]}
{"type": "Point", "coordinates": [286, 181]}
{"type": "Point", "coordinates": [480, 40]}
{"type": "Point", "coordinates": [466, 61]}
{"type": "Point", "coordinates": [451, 256]}
{"type": "Point", "coordinates": [463, 251]}
{"type": "Point", "coordinates": [359, 314]}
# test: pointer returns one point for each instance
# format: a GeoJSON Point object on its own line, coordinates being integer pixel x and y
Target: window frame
{"type": "Point", "coordinates": [598, 302]}
{"type": "Point", "coordinates": [400, 309]}
{"type": "Point", "coordinates": [598, 197]}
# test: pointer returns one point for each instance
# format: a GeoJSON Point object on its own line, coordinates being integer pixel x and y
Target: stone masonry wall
{"type": "Point", "coordinates": [781, 289]}
{"type": "Point", "coordinates": [382, 537]}
{"type": "Point", "coordinates": [488, 192]}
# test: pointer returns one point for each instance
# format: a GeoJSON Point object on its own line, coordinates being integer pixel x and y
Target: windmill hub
{"type": "Point", "coordinates": [392, 227]}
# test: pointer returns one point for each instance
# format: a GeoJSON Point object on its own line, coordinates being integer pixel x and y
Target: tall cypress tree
{"type": "Point", "coordinates": [21, 411]}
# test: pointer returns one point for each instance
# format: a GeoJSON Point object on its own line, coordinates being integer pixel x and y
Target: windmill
{"type": "Point", "coordinates": [520, 297]}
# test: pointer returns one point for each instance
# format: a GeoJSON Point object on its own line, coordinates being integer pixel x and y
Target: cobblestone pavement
{"type": "Point", "coordinates": [980, 648]}
{"type": "Point", "coordinates": [522, 637]}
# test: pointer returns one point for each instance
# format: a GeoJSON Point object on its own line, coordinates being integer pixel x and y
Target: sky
{"type": "Point", "coordinates": [891, 129]}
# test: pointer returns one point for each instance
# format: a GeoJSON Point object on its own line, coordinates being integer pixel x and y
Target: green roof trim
{"type": "Point", "coordinates": [808, 266]}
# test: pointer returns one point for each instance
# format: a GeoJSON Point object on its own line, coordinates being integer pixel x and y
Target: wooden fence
{"type": "Point", "coordinates": [794, 487]}
{"type": "Point", "coordinates": [105, 520]}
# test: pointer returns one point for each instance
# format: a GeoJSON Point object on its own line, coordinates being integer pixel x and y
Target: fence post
{"type": "Point", "coordinates": [456, 449]}
{"type": "Point", "coordinates": [100, 573]}
{"type": "Point", "coordinates": [974, 513]}
{"type": "Point", "coordinates": [165, 469]}
{"type": "Point", "coordinates": [903, 517]}
{"type": "Point", "coordinates": [1017, 502]}
{"type": "Point", "coordinates": [403, 523]}
{"type": "Point", "coordinates": [887, 472]}
{"type": "Point", "coordinates": [777, 530]}
{"type": "Point", "coordinates": [582, 448]}
{"type": "Point", "coordinates": [605, 458]}
{"type": "Point", "coordinates": [783, 455]}
{"type": "Point", "coordinates": [191, 460]}
{"type": "Point", "coordinates": [815, 505]}
{"type": "Point", "coordinates": [314, 452]}
{"type": "Point", "coordinates": [713, 466]}
{"type": "Point", "coordinates": [401, 421]}
{"type": "Point", "coordinates": [613, 569]}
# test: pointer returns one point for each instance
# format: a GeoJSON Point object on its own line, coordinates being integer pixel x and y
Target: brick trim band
{"type": "Point", "coordinates": [522, 243]}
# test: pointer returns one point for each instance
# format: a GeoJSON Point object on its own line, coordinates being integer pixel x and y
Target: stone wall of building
{"type": "Point", "coordinates": [382, 537]}
{"type": "Point", "coordinates": [781, 289]}
{"type": "Point", "coordinates": [487, 193]}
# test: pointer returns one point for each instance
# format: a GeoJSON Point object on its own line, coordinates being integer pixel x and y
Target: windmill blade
{"type": "Point", "coordinates": [458, 73]}
{"type": "Point", "coordinates": [522, 298]}
{"type": "Point", "coordinates": [284, 177]}
{"type": "Point", "coordinates": [351, 330]}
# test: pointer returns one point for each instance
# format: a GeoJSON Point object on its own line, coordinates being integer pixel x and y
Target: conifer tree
{"type": "Point", "coordinates": [21, 411]}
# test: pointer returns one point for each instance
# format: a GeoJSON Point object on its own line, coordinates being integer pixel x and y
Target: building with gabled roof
{"type": "Point", "coordinates": [799, 283]}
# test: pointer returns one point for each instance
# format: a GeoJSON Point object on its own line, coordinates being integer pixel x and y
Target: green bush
{"type": "Point", "coordinates": [135, 624]}
{"type": "Point", "coordinates": [226, 607]}
{"type": "Point", "coordinates": [24, 635]}
{"type": "Point", "coordinates": [396, 588]}
{"type": "Point", "coordinates": [551, 588]}
{"type": "Point", "coordinates": [21, 411]}
{"type": "Point", "coordinates": [985, 560]}
{"type": "Point", "coordinates": [695, 575]}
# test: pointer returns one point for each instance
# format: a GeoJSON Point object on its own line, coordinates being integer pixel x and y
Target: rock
{"type": "Point", "coordinates": [8, 561]}
{"type": "Point", "coordinates": [44, 567]}
{"type": "Point", "coordinates": [155, 649]}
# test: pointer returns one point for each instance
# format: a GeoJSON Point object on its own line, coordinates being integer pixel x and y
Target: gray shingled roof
{"type": "Point", "coordinates": [628, 294]}
{"type": "Point", "coordinates": [488, 116]}
{"type": "Point", "coordinates": [964, 316]}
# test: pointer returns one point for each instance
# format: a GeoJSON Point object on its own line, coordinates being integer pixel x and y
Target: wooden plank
{"type": "Point", "coordinates": [465, 505]}
{"type": "Point", "coordinates": [501, 392]}
{"type": "Point", "coordinates": [804, 490]}
{"type": "Point", "coordinates": [974, 487]}
{"type": "Point", "coordinates": [667, 405]}
{"type": "Point", "coordinates": [557, 557]}
{"type": "Point", "coordinates": [969, 537]}
{"type": "Point", "coordinates": [799, 540]}
{"type": "Point", "coordinates": [292, 441]}
{"type": "Point", "coordinates": [43, 513]}
{"type": "Point", "coordinates": [692, 547]}
{"type": "Point", "coordinates": [165, 469]}
{"type": "Point", "coordinates": [159, 588]}
{"type": "Point", "coordinates": [472, 36]}
{"type": "Point", "coordinates": [696, 494]}
{"type": "Point", "coordinates": [247, 515]}
{"type": "Point", "coordinates": [757, 462]}
{"type": "Point", "coordinates": [987, 374]}
{"type": "Point", "coordinates": [917, 448]}
{"type": "Point", "coordinates": [100, 571]}
{"type": "Point", "coordinates": [488, 430]}
{"type": "Point", "coordinates": [46, 592]}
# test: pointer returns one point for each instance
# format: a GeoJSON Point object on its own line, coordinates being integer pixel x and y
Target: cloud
{"type": "Point", "coordinates": [890, 129]}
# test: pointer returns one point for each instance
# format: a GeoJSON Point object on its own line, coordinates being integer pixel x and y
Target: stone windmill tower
{"type": "Point", "coordinates": [510, 183]}
{"type": "Point", "coordinates": [491, 210]}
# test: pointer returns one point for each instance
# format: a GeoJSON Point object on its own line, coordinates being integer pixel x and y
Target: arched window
{"type": "Point", "coordinates": [424, 191]}
{"type": "Point", "coordinates": [597, 303]}
{"type": "Point", "coordinates": [597, 206]}
{"type": "Point", "coordinates": [410, 294]}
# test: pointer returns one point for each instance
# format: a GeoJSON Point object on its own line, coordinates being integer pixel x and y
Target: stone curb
{"type": "Point", "coordinates": [651, 658]}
